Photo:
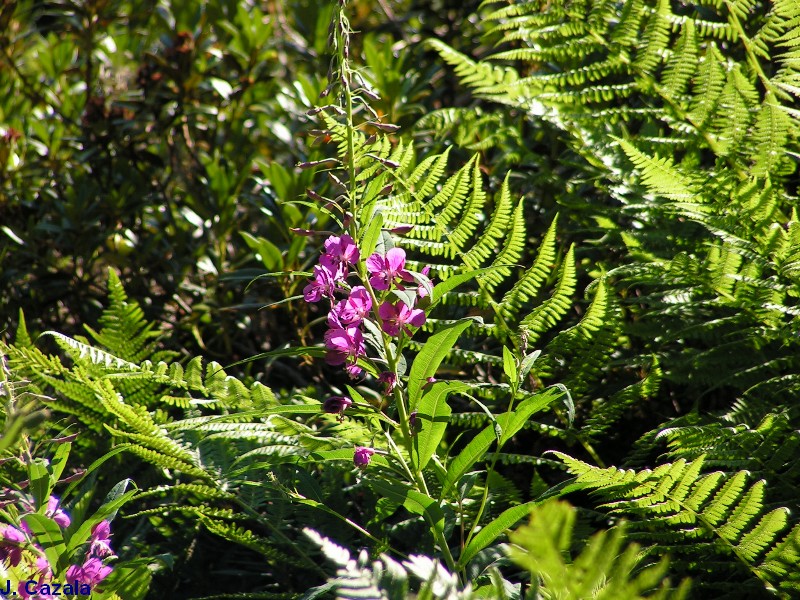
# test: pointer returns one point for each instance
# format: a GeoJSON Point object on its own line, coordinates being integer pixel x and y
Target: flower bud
{"type": "Point", "coordinates": [362, 456]}
{"type": "Point", "coordinates": [336, 405]}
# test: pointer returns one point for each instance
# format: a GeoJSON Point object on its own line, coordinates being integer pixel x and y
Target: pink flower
{"type": "Point", "coordinates": [323, 284]}
{"type": "Point", "coordinates": [43, 566]}
{"type": "Point", "coordinates": [342, 250]}
{"type": "Point", "coordinates": [388, 379]}
{"type": "Point", "coordinates": [362, 456]}
{"type": "Point", "coordinates": [55, 513]}
{"type": "Point", "coordinates": [337, 405]}
{"type": "Point", "coordinates": [397, 317]}
{"type": "Point", "coordinates": [11, 542]}
{"type": "Point", "coordinates": [353, 310]}
{"type": "Point", "coordinates": [101, 540]}
{"type": "Point", "coordinates": [27, 589]}
{"type": "Point", "coordinates": [353, 370]}
{"type": "Point", "coordinates": [92, 572]}
{"type": "Point", "coordinates": [385, 269]}
{"type": "Point", "coordinates": [345, 345]}
{"type": "Point", "coordinates": [422, 291]}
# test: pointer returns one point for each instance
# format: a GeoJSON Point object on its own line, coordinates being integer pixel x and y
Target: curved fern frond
{"type": "Point", "coordinates": [680, 510]}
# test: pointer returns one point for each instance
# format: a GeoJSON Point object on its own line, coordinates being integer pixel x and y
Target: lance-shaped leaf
{"type": "Point", "coordinates": [432, 355]}
{"type": "Point", "coordinates": [509, 424]}
{"type": "Point", "coordinates": [433, 412]}
{"type": "Point", "coordinates": [48, 536]}
{"type": "Point", "coordinates": [414, 502]}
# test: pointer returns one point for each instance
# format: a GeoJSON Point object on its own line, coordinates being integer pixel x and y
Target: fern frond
{"type": "Point", "coordinates": [679, 508]}
{"type": "Point", "coordinates": [529, 285]}
{"type": "Point", "coordinates": [554, 308]}
{"type": "Point", "coordinates": [602, 570]}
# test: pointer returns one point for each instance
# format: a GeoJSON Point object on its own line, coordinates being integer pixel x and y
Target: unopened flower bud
{"type": "Point", "coordinates": [336, 405]}
{"type": "Point", "coordinates": [362, 456]}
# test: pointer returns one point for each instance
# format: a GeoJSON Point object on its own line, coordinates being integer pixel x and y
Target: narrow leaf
{"type": "Point", "coordinates": [433, 412]}
{"type": "Point", "coordinates": [49, 537]}
{"type": "Point", "coordinates": [431, 356]}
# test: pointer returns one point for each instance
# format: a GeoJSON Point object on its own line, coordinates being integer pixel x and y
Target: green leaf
{"type": "Point", "coordinates": [451, 283]}
{"type": "Point", "coordinates": [222, 87]}
{"type": "Point", "coordinates": [428, 360]}
{"type": "Point", "coordinates": [509, 424]}
{"type": "Point", "coordinates": [40, 484]}
{"type": "Point", "coordinates": [527, 408]}
{"type": "Point", "coordinates": [49, 538]}
{"type": "Point", "coordinates": [527, 363]}
{"type": "Point", "coordinates": [413, 501]}
{"type": "Point", "coordinates": [372, 234]}
{"type": "Point", "coordinates": [490, 532]}
{"type": "Point", "coordinates": [384, 243]}
{"type": "Point", "coordinates": [474, 451]}
{"type": "Point", "coordinates": [59, 461]}
{"type": "Point", "coordinates": [433, 412]}
{"type": "Point", "coordinates": [510, 366]}
{"type": "Point", "coordinates": [268, 253]}
{"type": "Point", "coordinates": [115, 499]}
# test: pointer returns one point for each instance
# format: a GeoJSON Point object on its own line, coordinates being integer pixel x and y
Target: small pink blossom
{"type": "Point", "coordinates": [397, 317]}
{"type": "Point", "coordinates": [385, 269]}
{"type": "Point", "coordinates": [362, 456]}
{"type": "Point", "coordinates": [101, 540]}
{"type": "Point", "coordinates": [353, 370]}
{"type": "Point", "coordinates": [323, 285]}
{"type": "Point", "coordinates": [91, 572]}
{"type": "Point", "coordinates": [24, 586]}
{"type": "Point", "coordinates": [55, 512]}
{"type": "Point", "coordinates": [337, 405]}
{"type": "Point", "coordinates": [342, 250]}
{"type": "Point", "coordinates": [422, 290]}
{"type": "Point", "coordinates": [388, 379]}
{"type": "Point", "coordinates": [345, 345]}
{"type": "Point", "coordinates": [353, 310]}
{"type": "Point", "coordinates": [11, 542]}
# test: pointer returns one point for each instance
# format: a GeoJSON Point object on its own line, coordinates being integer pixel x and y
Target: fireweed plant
{"type": "Point", "coordinates": [377, 304]}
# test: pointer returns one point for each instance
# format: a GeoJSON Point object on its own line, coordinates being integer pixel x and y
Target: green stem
{"type": "Point", "coordinates": [416, 477]}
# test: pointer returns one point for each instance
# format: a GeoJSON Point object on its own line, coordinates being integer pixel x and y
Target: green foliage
{"type": "Point", "coordinates": [611, 223]}
{"type": "Point", "coordinates": [714, 521]}
{"type": "Point", "coordinates": [681, 119]}
{"type": "Point", "coordinates": [603, 569]}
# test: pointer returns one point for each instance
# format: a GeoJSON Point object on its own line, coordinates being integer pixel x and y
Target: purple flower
{"type": "Point", "coordinates": [43, 567]}
{"type": "Point", "coordinates": [388, 379]}
{"type": "Point", "coordinates": [345, 345]}
{"type": "Point", "coordinates": [54, 512]}
{"type": "Point", "coordinates": [353, 370]}
{"type": "Point", "coordinates": [353, 310]}
{"type": "Point", "coordinates": [92, 572]}
{"type": "Point", "coordinates": [101, 540]}
{"type": "Point", "coordinates": [322, 285]}
{"type": "Point", "coordinates": [342, 250]}
{"type": "Point", "coordinates": [336, 404]}
{"type": "Point", "coordinates": [362, 456]}
{"type": "Point", "coordinates": [386, 268]}
{"type": "Point", "coordinates": [397, 317]}
{"type": "Point", "coordinates": [11, 541]}
{"type": "Point", "coordinates": [24, 586]}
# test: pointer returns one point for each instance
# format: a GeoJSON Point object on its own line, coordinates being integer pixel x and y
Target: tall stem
{"type": "Point", "coordinates": [417, 479]}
